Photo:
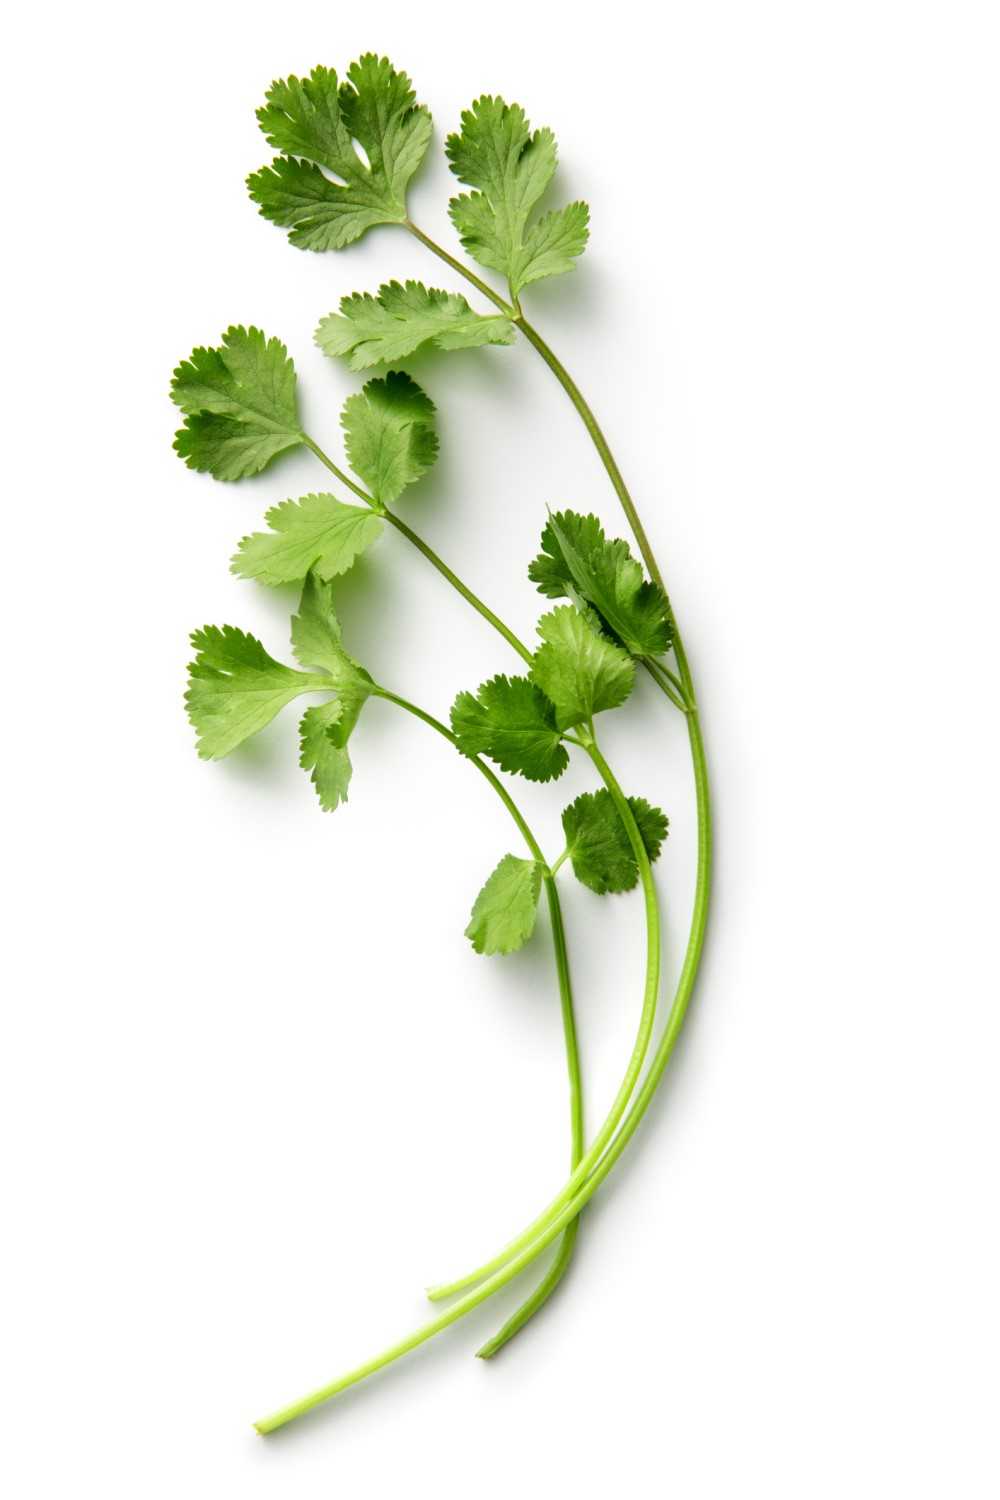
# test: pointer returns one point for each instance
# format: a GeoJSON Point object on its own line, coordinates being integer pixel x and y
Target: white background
{"type": "Point", "coordinates": [257, 1089]}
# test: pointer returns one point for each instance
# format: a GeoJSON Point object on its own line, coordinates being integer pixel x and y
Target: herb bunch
{"type": "Point", "coordinates": [609, 617]}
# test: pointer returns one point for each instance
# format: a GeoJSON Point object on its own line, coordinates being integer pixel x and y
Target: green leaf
{"type": "Point", "coordinates": [315, 122]}
{"type": "Point", "coordinates": [496, 153]}
{"type": "Point", "coordinates": [317, 533]}
{"type": "Point", "coordinates": [239, 402]}
{"type": "Point", "coordinates": [513, 723]}
{"type": "Point", "coordinates": [552, 245]}
{"type": "Point", "coordinates": [396, 322]}
{"type": "Point", "coordinates": [235, 688]}
{"type": "Point", "coordinates": [316, 643]}
{"type": "Point", "coordinates": [390, 441]}
{"type": "Point", "coordinates": [581, 672]}
{"type": "Point", "coordinates": [599, 847]}
{"type": "Point", "coordinates": [503, 916]}
{"type": "Point", "coordinates": [324, 755]}
{"type": "Point", "coordinates": [578, 562]}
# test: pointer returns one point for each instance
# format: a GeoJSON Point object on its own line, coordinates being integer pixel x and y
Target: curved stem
{"type": "Point", "coordinates": [480, 765]}
{"type": "Point", "coordinates": [566, 1215]}
{"type": "Point", "coordinates": [428, 552]}
{"type": "Point", "coordinates": [555, 1273]}
{"type": "Point", "coordinates": [600, 442]}
{"type": "Point", "coordinates": [552, 1279]}
{"type": "Point", "coordinates": [594, 1151]}
{"type": "Point", "coordinates": [456, 265]}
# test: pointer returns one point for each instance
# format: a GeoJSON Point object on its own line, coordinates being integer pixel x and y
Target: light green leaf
{"type": "Point", "coordinates": [579, 563]}
{"type": "Point", "coordinates": [324, 753]}
{"type": "Point", "coordinates": [315, 122]}
{"type": "Point", "coordinates": [396, 322]}
{"type": "Point", "coordinates": [552, 245]}
{"type": "Point", "coordinates": [389, 441]}
{"type": "Point", "coordinates": [235, 688]}
{"type": "Point", "coordinates": [318, 533]}
{"type": "Point", "coordinates": [503, 916]}
{"type": "Point", "coordinates": [598, 845]}
{"type": "Point", "coordinates": [239, 401]}
{"type": "Point", "coordinates": [513, 723]}
{"type": "Point", "coordinates": [316, 643]}
{"type": "Point", "coordinates": [496, 153]}
{"type": "Point", "coordinates": [581, 672]}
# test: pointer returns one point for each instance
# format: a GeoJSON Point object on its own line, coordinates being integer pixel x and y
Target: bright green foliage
{"type": "Point", "coordinates": [314, 121]}
{"type": "Point", "coordinates": [514, 724]}
{"type": "Point", "coordinates": [396, 322]}
{"type": "Point", "coordinates": [496, 153]}
{"type": "Point", "coordinates": [235, 688]}
{"type": "Point", "coordinates": [324, 754]}
{"type": "Point", "coordinates": [316, 643]}
{"type": "Point", "coordinates": [239, 405]}
{"type": "Point", "coordinates": [581, 672]}
{"type": "Point", "coordinates": [579, 563]}
{"type": "Point", "coordinates": [598, 845]}
{"type": "Point", "coordinates": [503, 916]}
{"type": "Point", "coordinates": [317, 532]}
{"type": "Point", "coordinates": [390, 441]}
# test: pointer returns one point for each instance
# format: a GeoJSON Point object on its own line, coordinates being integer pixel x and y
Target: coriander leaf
{"type": "Point", "coordinates": [235, 688]}
{"type": "Point", "coordinates": [551, 246]}
{"type": "Point", "coordinates": [598, 845]}
{"type": "Point", "coordinates": [396, 322]}
{"type": "Point", "coordinates": [316, 643]}
{"type": "Point", "coordinates": [503, 916]}
{"type": "Point", "coordinates": [390, 441]}
{"type": "Point", "coordinates": [582, 673]}
{"type": "Point", "coordinates": [513, 723]}
{"type": "Point", "coordinates": [318, 533]}
{"type": "Point", "coordinates": [577, 561]}
{"type": "Point", "coordinates": [315, 122]}
{"type": "Point", "coordinates": [239, 405]}
{"type": "Point", "coordinates": [496, 153]}
{"type": "Point", "coordinates": [325, 755]}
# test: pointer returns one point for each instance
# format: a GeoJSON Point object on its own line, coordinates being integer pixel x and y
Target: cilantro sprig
{"type": "Point", "coordinates": [347, 150]}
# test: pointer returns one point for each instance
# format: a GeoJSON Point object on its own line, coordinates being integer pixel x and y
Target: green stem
{"type": "Point", "coordinates": [345, 479]}
{"type": "Point", "coordinates": [428, 552]}
{"type": "Point", "coordinates": [600, 442]}
{"type": "Point", "coordinates": [457, 583]}
{"type": "Point", "coordinates": [594, 1151]}
{"type": "Point", "coordinates": [568, 384]}
{"type": "Point", "coordinates": [456, 265]}
{"type": "Point", "coordinates": [568, 1214]}
{"type": "Point", "coordinates": [555, 1273]}
{"type": "Point", "coordinates": [663, 682]}
{"type": "Point", "coordinates": [546, 1287]}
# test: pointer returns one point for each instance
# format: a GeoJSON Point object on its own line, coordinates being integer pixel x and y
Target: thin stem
{"type": "Point", "coordinates": [457, 583]}
{"type": "Point", "coordinates": [546, 1287]}
{"type": "Point", "coordinates": [658, 669]}
{"type": "Point", "coordinates": [428, 552]}
{"type": "Point", "coordinates": [480, 765]}
{"type": "Point", "coordinates": [555, 1273]}
{"type": "Point", "coordinates": [456, 265]}
{"type": "Point", "coordinates": [593, 1153]}
{"type": "Point", "coordinates": [663, 684]}
{"type": "Point", "coordinates": [339, 474]}
{"type": "Point", "coordinates": [568, 1214]}
{"type": "Point", "coordinates": [600, 442]}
